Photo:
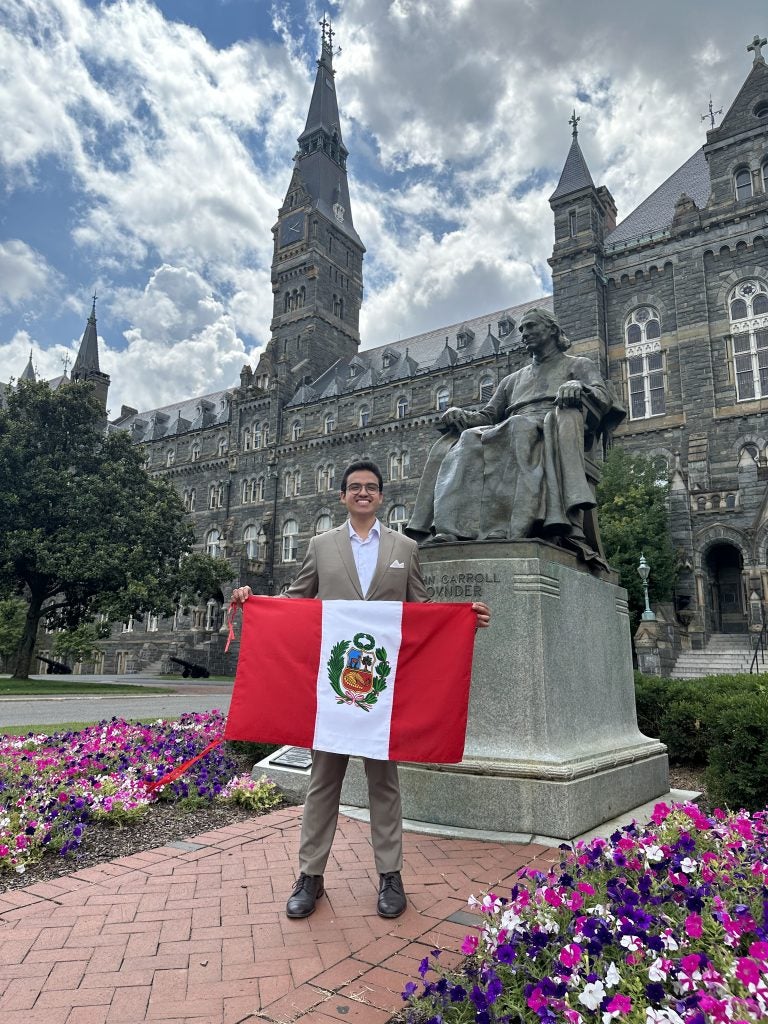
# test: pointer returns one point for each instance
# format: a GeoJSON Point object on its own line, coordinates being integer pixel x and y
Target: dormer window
{"type": "Point", "coordinates": [389, 359]}
{"type": "Point", "coordinates": [505, 326]}
{"type": "Point", "coordinates": [464, 336]}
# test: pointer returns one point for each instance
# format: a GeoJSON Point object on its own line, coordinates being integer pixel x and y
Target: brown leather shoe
{"type": "Point", "coordinates": [307, 890]}
{"type": "Point", "coordinates": [392, 900]}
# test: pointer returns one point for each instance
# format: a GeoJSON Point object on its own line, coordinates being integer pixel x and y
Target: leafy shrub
{"type": "Point", "coordinates": [737, 773]}
{"type": "Point", "coordinates": [255, 794]}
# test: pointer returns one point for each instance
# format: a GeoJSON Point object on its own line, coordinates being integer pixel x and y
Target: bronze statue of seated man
{"type": "Point", "coordinates": [519, 467]}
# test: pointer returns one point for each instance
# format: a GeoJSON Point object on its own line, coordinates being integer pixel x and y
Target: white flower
{"type": "Point", "coordinates": [669, 941]}
{"type": "Point", "coordinates": [631, 942]}
{"type": "Point", "coordinates": [593, 995]}
{"type": "Point", "coordinates": [654, 854]}
{"type": "Point", "coordinates": [656, 971]}
{"type": "Point", "coordinates": [665, 1016]}
{"type": "Point", "coordinates": [510, 920]}
{"type": "Point", "coordinates": [612, 976]}
{"type": "Point", "coordinates": [20, 869]}
{"type": "Point", "coordinates": [688, 866]}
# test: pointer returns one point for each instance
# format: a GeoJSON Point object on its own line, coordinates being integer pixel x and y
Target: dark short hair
{"type": "Point", "coordinates": [362, 464]}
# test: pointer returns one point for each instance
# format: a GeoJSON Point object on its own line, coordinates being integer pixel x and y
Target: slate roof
{"type": "Point", "coordinates": [418, 354]}
{"type": "Point", "coordinates": [656, 212]}
{"type": "Point", "coordinates": [575, 174]}
{"type": "Point", "coordinates": [171, 420]}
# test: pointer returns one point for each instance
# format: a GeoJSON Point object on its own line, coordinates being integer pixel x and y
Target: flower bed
{"type": "Point", "coordinates": [661, 924]}
{"type": "Point", "coordinates": [52, 788]}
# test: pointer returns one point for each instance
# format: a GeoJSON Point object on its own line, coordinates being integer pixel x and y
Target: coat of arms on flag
{"type": "Point", "coordinates": [358, 671]}
{"type": "Point", "coordinates": [308, 667]}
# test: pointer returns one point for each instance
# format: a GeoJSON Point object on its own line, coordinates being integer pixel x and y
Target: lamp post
{"type": "Point", "coordinates": [644, 571]}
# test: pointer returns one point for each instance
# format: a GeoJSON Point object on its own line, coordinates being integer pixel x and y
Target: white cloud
{"type": "Point", "coordinates": [24, 273]}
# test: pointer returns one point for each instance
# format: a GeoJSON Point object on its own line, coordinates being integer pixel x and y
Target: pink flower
{"type": "Point", "coordinates": [536, 1000]}
{"type": "Point", "coordinates": [619, 1004]}
{"type": "Point", "coordinates": [693, 926]}
{"type": "Point", "coordinates": [469, 945]}
{"type": "Point", "coordinates": [586, 888]}
{"type": "Point", "coordinates": [21, 842]}
{"type": "Point", "coordinates": [759, 950]}
{"type": "Point", "coordinates": [4, 850]}
{"type": "Point", "coordinates": [570, 954]}
{"type": "Point", "coordinates": [63, 798]}
{"type": "Point", "coordinates": [660, 813]}
{"type": "Point", "coordinates": [553, 898]}
{"type": "Point", "coordinates": [747, 971]}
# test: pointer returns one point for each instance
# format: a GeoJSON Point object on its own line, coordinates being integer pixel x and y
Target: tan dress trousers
{"type": "Point", "coordinates": [321, 812]}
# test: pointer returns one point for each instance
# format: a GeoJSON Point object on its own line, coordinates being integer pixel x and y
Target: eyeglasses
{"type": "Point", "coordinates": [368, 488]}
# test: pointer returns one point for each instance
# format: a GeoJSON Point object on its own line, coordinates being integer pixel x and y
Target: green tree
{"type": "Point", "coordinates": [13, 612]}
{"type": "Point", "coordinates": [83, 528]}
{"type": "Point", "coordinates": [634, 520]}
{"type": "Point", "coordinates": [82, 642]}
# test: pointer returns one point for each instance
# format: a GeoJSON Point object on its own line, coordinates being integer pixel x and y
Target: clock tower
{"type": "Point", "coordinates": [317, 268]}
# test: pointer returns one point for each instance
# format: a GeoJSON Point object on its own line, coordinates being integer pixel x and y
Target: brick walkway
{"type": "Point", "coordinates": [195, 932]}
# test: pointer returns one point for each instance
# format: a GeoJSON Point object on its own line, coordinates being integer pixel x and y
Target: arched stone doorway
{"type": "Point", "coordinates": [725, 589]}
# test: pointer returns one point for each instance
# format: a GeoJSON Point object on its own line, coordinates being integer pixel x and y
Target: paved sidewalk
{"type": "Point", "coordinates": [195, 932]}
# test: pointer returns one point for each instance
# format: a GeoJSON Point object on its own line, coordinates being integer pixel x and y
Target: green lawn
{"type": "Point", "coordinates": [59, 687]}
{"type": "Point", "coordinates": [22, 730]}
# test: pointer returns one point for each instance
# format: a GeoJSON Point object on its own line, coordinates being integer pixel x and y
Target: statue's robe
{"type": "Point", "coordinates": [518, 469]}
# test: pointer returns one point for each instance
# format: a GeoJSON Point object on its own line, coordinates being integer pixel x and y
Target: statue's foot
{"type": "Point", "coordinates": [444, 538]}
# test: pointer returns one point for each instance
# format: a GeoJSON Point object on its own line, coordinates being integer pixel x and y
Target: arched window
{"type": "Point", "coordinates": [397, 518]}
{"type": "Point", "coordinates": [261, 544]}
{"type": "Point", "coordinates": [246, 491]}
{"type": "Point", "coordinates": [260, 489]}
{"type": "Point", "coordinates": [743, 182]}
{"type": "Point", "coordinates": [748, 307]}
{"type": "Point", "coordinates": [329, 423]}
{"type": "Point", "coordinates": [288, 485]}
{"type": "Point", "coordinates": [250, 541]}
{"type": "Point", "coordinates": [195, 455]}
{"type": "Point", "coordinates": [170, 457]}
{"type": "Point", "coordinates": [213, 544]}
{"type": "Point", "coordinates": [296, 430]}
{"type": "Point", "coordinates": [290, 542]}
{"type": "Point", "coordinates": [645, 363]}
{"type": "Point", "coordinates": [442, 399]}
{"type": "Point", "coordinates": [324, 524]}
{"type": "Point", "coordinates": [222, 446]}
{"type": "Point", "coordinates": [192, 496]}
{"type": "Point", "coordinates": [257, 435]}
{"type": "Point", "coordinates": [765, 176]}
{"type": "Point", "coordinates": [402, 408]}
{"type": "Point", "coordinates": [219, 495]}
{"type": "Point", "coordinates": [330, 474]}
{"type": "Point", "coordinates": [487, 387]}
{"type": "Point", "coordinates": [297, 481]}
{"type": "Point", "coordinates": [212, 496]}
{"type": "Point", "coordinates": [399, 463]}
{"type": "Point", "coordinates": [321, 480]}
{"type": "Point", "coordinates": [364, 416]}
{"type": "Point", "coordinates": [265, 436]}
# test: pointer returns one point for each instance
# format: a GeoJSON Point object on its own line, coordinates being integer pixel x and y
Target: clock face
{"type": "Point", "coordinates": [292, 229]}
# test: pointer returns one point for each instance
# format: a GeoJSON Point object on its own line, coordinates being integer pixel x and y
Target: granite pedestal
{"type": "Point", "coordinates": [553, 746]}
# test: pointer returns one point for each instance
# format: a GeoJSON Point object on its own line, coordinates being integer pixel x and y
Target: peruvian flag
{"type": "Point", "coordinates": [380, 679]}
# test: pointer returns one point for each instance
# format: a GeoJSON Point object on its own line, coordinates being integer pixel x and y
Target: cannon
{"type": "Point", "coordinates": [188, 668]}
{"type": "Point", "coordinates": [55, 668]}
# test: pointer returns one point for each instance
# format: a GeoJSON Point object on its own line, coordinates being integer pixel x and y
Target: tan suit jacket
{"type": "Point", "coordinates": [329, 572]}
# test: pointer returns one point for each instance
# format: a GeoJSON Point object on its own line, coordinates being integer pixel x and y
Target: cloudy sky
{"type": "Point", "coordinates": [146, 146]}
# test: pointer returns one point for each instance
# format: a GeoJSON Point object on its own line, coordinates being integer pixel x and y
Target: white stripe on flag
{"type": "Point", "coordinates": [345, 727]}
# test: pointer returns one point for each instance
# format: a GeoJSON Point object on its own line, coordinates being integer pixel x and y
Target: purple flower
{"type": "Point", "coordinates": [424, 966]}
{"type": "Point", "coordinates": [409, 989]}
{"type": "Point", "coordinates": [654, 990]}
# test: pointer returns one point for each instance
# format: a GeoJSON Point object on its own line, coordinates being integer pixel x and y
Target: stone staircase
{"type": "Point", "coordinates": [725, 653]}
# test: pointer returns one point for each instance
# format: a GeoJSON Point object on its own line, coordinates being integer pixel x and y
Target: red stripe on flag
{"type": "Point", "coordinates": [434, 669]}
{"type": "Point", "coordinates": [274, 699]}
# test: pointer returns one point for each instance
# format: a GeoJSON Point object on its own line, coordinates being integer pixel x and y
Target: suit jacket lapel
{"type": "Point", "coordinates": [384, 559]}
{"type": "Point", "coordinates": [344, 545]}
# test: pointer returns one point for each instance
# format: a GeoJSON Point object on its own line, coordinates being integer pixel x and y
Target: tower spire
{"type": "Point", "coordinates": [575, 173]}
{"type": "Point", "coordinates": [86, 366]}
{"type": "Point", "coordinates": [28, 372]}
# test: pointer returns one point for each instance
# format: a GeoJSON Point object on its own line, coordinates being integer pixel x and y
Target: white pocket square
{"type": "Point", "coordinates": [397, 565]}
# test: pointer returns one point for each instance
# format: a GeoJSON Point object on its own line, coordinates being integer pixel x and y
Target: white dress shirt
{"type": "Point", "coordinates": [365, 553]}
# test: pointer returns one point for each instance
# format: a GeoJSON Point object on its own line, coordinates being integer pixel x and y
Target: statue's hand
{"type": "Point", "coordinates": [569, 395]}
{"type": "Point", "coordinates": [454, 417]}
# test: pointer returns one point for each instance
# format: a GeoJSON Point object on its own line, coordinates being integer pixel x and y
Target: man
{"type": "Point", "coordinates": [516, 468]}
{"type": "Point", "coordinates": [361, 560]}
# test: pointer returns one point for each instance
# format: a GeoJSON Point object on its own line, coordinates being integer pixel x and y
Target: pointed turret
{"type": "Point", "coordinates": [317, 269]}
{"type": "Point", "coordinates": [575, 174]}
{"type": "Point", "coordinates": [86, 366]}
{"type": "Point", "coordinates": [28, 372]}
{"type": "Point", "coordinates": [88, 356]}
{"type": "Point", "coordinates": [321, 160]}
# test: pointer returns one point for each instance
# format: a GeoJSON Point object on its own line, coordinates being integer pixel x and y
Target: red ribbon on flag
{"type": "Point", "coordinates": [232, 611]}
{"type": "Point", "coordinates": [179, 770]}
